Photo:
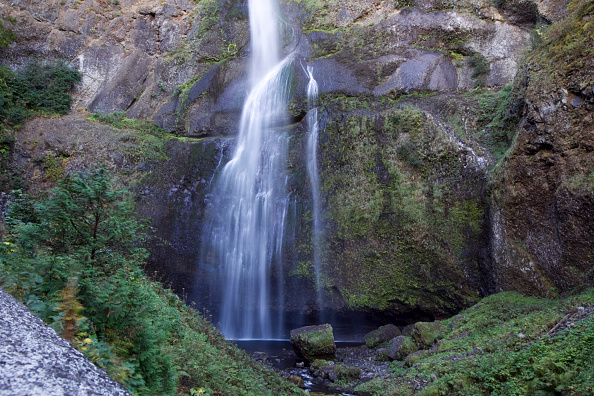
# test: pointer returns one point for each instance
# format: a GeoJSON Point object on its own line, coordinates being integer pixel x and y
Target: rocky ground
{"type": "Point", "coordinates": [461, 353]}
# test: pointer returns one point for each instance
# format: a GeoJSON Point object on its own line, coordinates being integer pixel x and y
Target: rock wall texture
{"type": "Point", "coordinates": [543, 192]}
{"type": "Point", "coordinates": [34, 360]}
{"type": "Point", "coordinates": [426, 205]}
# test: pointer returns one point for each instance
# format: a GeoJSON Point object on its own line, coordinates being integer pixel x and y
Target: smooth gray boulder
{"type": "Point", "coordinates": [34, 360]}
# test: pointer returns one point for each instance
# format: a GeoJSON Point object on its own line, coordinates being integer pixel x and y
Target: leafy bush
{"type": "Point", "coordinates": [75, 257]}
{"type": "Point", "coordinates": [35, 89]}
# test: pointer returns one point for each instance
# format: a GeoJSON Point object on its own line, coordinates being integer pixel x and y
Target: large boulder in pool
{"type": "Point", "coordinates": [313, 342]}
{"type": "Point", "coordinates": [379, 336]}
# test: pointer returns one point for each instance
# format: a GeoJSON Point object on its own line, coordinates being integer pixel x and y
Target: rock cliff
{"type": "Point", "coordinates": [441, 182]}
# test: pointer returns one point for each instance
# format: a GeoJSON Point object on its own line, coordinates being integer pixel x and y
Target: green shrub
{"type": "Point", "coordinates": [148, 144]}
{"type": "Point", "coordinates": [7, 36]}
{"type": "Point", "coordinates": [75, 258]}
{"type": "Point", "coordinates": [37, 89]}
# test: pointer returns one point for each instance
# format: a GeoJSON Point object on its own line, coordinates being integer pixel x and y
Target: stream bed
{"type": "Point", "coordinates": [279, 355]}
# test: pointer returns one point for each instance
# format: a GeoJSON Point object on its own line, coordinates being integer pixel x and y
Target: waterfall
{"type": "Point", "coordinates": [250, 200]}
{"type": "Point", "coordinates": [312, 170]}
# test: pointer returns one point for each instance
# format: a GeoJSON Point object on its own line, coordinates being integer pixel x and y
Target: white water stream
{"type": "Point", "coordinates": [245, 236]}
{"type": "Point", "coordinates": [312, 170]}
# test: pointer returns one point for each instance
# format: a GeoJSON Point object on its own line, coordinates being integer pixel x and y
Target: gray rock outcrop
{"type": "Point", "coordinates": [34, 360]}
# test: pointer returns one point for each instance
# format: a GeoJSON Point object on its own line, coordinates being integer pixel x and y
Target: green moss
{"type": "Point", "coordinates": [402, 232]}
{"type": "Point", "coordinates": [54, 167]}
{"type": "Point", "coordinates": [427, 333]}
{"type": "Point", "coordinates": [145, 141]}
{"type": "Point", "coordinates": [500, 346]}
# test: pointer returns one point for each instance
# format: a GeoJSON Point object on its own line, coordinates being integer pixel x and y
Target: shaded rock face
{"type": "Point", "coordinates": [405, 207]}
{"type": "Point", "coordinates": [36, 361]}
{"type": "Point", "coordinates": [543, 193]}
{"type": "Point", "coordinates": [173, 196]}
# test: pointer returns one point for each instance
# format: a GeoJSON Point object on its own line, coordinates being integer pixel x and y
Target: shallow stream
{"type": "Point", "coordinates": [279, 355]}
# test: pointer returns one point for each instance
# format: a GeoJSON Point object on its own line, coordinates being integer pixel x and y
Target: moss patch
{"type": "Point", "coordinates": [404, 212]}
{"type": "Point", "coordinates": [504, 345]}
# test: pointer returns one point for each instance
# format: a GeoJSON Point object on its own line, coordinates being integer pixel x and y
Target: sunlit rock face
{"type": "Point", "coordinates": [36, 361]}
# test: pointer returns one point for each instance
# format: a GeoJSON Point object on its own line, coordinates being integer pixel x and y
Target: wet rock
{"type": "Point", "coordinates": [426, 334]}
{"type": "Point", "coordinates": [379, 336]}
{"type": "Point", "coordinates": [310, 342]}
{"type": "Point", "coordinates": [260, 356]}
{"type": "Point", "coordinates": [297, 380]}
{"type": "Point", "coordinates": [401, 347]}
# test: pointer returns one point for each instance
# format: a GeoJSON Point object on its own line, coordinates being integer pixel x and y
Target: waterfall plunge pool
{"type": "Point", "coordinates": [279, 355]}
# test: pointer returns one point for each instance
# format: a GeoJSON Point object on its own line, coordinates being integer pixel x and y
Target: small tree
{"type": "Point", "coordinates": [80, 245]}
{"type": "Point", "coordinates": [84, 217]}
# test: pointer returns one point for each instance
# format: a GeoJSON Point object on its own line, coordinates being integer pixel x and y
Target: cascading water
{"type": "Point", "coordinates": [244, 238]}
{"type": "Point", "coordinates": [312, 170]}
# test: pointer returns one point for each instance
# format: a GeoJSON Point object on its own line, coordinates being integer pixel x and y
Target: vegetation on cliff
{"type": "Point", "coordinates": [75, 258]}
{"type": "Point", "coordinates": [404, 209]}
{"type": "Point", "coordinates": [543, 189]}
{"type": "Point", "coordinates": [37, 89]}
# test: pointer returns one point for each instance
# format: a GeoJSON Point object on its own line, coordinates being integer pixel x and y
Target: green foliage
{"type": "Point", "coordinates": [498, 115]}
{"type": "Point", "coordinates": [75, 257]}
{"type": "Point", "coordinates": [7, 36]}
{"type": "Point", "coordinates": [146, 145]}
{"type": "Point", "coordinates": [37, 89]}
{"type": "Point", "coordinates": [501, 347]}
{"type": "Point", "coordinates": [480, 69]}
{"type": "Point", "coordinates": [565, 55]}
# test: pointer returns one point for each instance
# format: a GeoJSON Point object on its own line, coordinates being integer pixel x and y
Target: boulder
{"type": "Point", "coordinates": [379, 336]}
{"type": "Point", "coordinates": [408, 329]}
{"type": "Point", "coordinates": [426, 334]}
{"type": "Point", "coordinates": [36, 361]}
{"type": "Point", "coordinates": [416, 357]}
{"type": "Point", "coordinates": [401, 347]}
{"type": "Point", "coordinates": [310, 342]}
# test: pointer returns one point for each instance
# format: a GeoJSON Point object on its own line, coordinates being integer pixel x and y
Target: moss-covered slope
{"type": "Point", "coordinates": [505, 345]}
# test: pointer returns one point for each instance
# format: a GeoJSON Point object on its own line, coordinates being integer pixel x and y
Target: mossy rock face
{"type": "Point", "coordinates": [426, 334]}
{"type": "Point", "coordinates": [405, 214]}
{"type": "Point", "coordinates": [401, 347]}
{"type": "Point", "coordinates": [379, 336]}
{"type": "Point", "coordinates": [311, 342]}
